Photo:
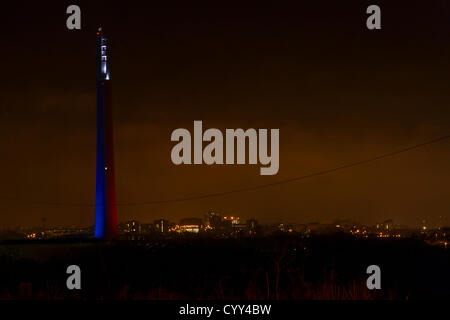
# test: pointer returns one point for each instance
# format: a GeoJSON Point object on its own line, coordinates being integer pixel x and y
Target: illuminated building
{"type": "Point", "coordinates": [192, 225]}
{"type": "Point", "coordinates": [385, 225]}
{"type": "Point", "coordinates": [105, 195]}
{"type": "Point", "coordinates": [232, 220]}
{"type": "Point", "coordinates": [233, 224]}
{"type": "Point", "coordinates": [161, 225]}
{"type": "Point", "coordinates": [132, 227]}
{"type": "Point", "coordinates": [252, 224]}
{"type": "Point", "coordinates": [213, 220]}
{"type": "Point", "coordinates": [388, 225]}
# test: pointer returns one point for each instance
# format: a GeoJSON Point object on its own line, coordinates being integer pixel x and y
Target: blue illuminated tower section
{"type": "Point", "coordinates": [105, 195]}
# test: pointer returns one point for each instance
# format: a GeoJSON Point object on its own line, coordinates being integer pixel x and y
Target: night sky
{"type": "Point", "coordinates": [338, 92]}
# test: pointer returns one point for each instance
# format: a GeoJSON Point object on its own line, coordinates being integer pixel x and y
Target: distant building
{"type": "Point", "coordinates": [252, 224]}
{"type": "Point", "coordinates": [213, 220]}
{"type": "Point", "coordinates": [386, 226]}
{"type": "Point", "coordinates": [130, 229]}
{"type": "Point", "coordinates": [192, 225]}
{"type": "Point", "coordinates": [60, 232]}
{"type": "Point", "coordinates": [232, 220]}
{"type": "Point", "coordinates": [233, 224]}
{"type": "Point", "coordinates": [322, 228]}
{"type": "Point", "coordinates": [283, 227]}
{"type": "Point", "coordinates": [147, 228]}
{"type": "Point", "coordinates": [161, 225]}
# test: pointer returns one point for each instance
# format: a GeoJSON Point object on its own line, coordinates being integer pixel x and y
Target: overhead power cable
{"type": "Point", "coordinates": [244, 189]}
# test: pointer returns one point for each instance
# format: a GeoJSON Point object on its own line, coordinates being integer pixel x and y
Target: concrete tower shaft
{"type": "Point", "coordinates": [105, 197]}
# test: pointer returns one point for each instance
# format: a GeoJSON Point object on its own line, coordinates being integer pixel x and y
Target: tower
{"type": "Point", "coordinates": [105, 195]}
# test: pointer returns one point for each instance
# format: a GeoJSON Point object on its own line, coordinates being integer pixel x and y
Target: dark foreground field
{"type": "Point", "coordinates": [278, 267]}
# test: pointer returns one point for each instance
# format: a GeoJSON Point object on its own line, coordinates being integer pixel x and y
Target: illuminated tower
{"type": "Point", "coordinates": [105, 196]}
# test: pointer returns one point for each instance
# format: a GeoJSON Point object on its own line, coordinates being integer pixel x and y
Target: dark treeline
{"type": "Point", "coordinates": [277, 267]}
